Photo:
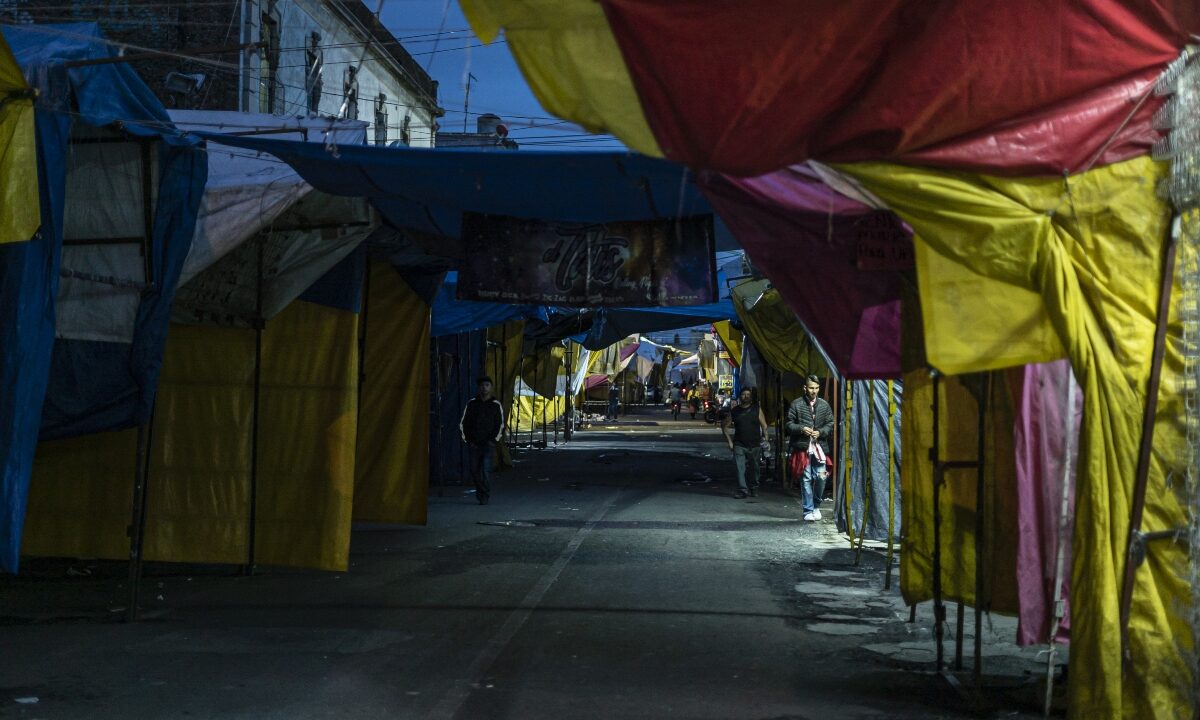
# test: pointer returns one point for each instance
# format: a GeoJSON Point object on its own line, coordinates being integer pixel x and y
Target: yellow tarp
{"type": "Point", "coordinates": [775, 331]}
{"type": "Point", "coordinates": [731, 338]}
{"type": "Point", "coordinates": [504, 358]}
{"type": "Point", "coordinates": [391, 469]}
{"type": "Point", "coordinates": [541, 369]}
{"type": "Point", "coordinates": [571, 61]}
{"type": "Point", "coordinates": [1091, 255]}
{"type": "Point", "coordinates": [958, 441]}
{"type": "Point", "coordinates": [20, 207]}
{"type": "Point", "coordinates": [199, 482]}
{"type": "Point", "coordinates": [529, 412]}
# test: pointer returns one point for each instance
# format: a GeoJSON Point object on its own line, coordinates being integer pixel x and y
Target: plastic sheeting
{"type": "Point", "coordinates": [429, 190]}
{"type": "Point", "coordinates": [806, 238]}
{"type": "Point", "coordinates": [774, 330]}
{"type": "Point", "coordinates": [199, 478]}
{"type": "Point", "coordinates": [957, 440]}
{"type": "Point", "coordinates": [731, 338]}
{"type": "Point", "coordinates": [21, 211]}
{"type": "Point", "coordinates": [452, 316]}
{"type": "Point", "coordinates": [866, 507]}
{"type": "Point", "coordinates": [120, 378]}
{"type": "Point", "coordinates": [1046, 437]}
{"type": "Point", "coordinates": [613, 324]}
{"type": "Point", "coordinates": [732, 109]}
{"type": "Point", "coordinates": [391, 466]}
{"type": "Point", "coordinates": [1089, 248]}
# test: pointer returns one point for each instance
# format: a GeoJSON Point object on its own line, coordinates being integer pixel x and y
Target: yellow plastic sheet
{"type": "Point", "coordinates": [391, 469]}
{"type": "Point", "coordinates": [775, 331]}
{"type": "Point", "coordinates": [541, 369]}
{"type": "Point", "coordinates": [198, 491]}
{"type": "Point", "coordinates": [504, 358]}
{"type": "Point", "coordinates": [958, 436]}
{"type": "Point", "coordinates": [731, 338]}
{"type": "Point", "coordinates": [529, 412]}
{"type": "Point", "coordinates": [20, 208]}
{"type": "Point", "coordinates": [570, 59]}
{"type": "Point", "coordinates": [1091, 250]}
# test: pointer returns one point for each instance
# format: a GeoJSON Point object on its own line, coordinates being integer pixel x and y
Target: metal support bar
{"type": "Point", "coordinates": [137, 525]}
{"type": "Point", "coordinates": [259, 324]}
{"type": "Point", "coordinates": [958, 634]}
{"type": "Point", "coordinates": [891, 431]}
{"type": "Point", "coordinates": [847, 463]}
{"type": "Point", "coordinates": [939, 610]}
{"type": "Point", "coordinates": [867, 477]}
{"type": "Point", "coordinates": [980, 526]}
{"type": "Point", "coordinates": [1142, 477]}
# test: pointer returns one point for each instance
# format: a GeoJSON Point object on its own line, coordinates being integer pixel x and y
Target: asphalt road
{"type": "Point", "coordinates": [612, 577]}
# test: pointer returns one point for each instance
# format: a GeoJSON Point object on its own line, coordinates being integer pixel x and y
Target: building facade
{"type": "Point", "coordinates": [310, 58]}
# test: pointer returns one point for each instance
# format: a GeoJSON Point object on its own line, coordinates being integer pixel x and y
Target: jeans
{"type": "Point", "coordinates": [613, 407]}
{"type": "Point", "coordinates": [481, 469]}
{"type": "Point", "coordinates": [813, 490]}
{"type": "Point", "coordinates": [744, 459]}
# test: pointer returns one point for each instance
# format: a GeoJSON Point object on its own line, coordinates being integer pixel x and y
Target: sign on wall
{"type": "Point", "coordinates": [621, 264]}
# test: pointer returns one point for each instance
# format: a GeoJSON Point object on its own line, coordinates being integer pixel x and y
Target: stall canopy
{"type": "Point", "coordinates": [629, 67]}
{"type": "Point", "coordinates": [452, 316]}
{"type": "Point", "coordinates": [85, 385]}
{"type": "Point", "coordinates": [428, 190]}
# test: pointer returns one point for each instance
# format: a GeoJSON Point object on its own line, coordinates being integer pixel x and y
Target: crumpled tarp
{"type": "Point", "coordinates": [805, 238]}
{"type": "Point", "coordinates": [874, 463]}
{"type": "Point", "coordinates": [80, 386]}
{"type": "Point", "coordinates": [18, 154]}
{"type": "Point", "coordinates": [1046, 438]}
{"type": "Point", "coordinates": [774, 330]}
{"type": "Point", "coordinates": [1089, 252]}
{"type": "Point", "coordinates": [452, 316]}
{"type": "Point", "coordinates": [914, 80]}
{"type": "Point", "coordinates": [612, 324]}
{"type": "Point", "coordinates": [428, 190]}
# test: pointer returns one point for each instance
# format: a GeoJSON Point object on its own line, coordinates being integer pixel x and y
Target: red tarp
{"type": "Point", "coordinates": [1014, 87]}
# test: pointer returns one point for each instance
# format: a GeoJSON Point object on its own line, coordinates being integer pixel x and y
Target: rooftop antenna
{"type": "Point", "coordinates": [467, 100]}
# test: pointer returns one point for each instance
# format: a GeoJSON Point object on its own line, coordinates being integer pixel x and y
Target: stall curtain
{"type": "Point", "coordinates": [391, 467]}
{"type": "Point", "coordinates": [199, 478]}
{"type": "Point", "coordinates": [1088, 251]}
{"type": "Point", "coordinates": [865, 510]}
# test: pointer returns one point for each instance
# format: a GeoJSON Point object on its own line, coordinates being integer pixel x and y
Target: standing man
{"type": "Point", "coordinates": [749, 429]}
{"type": "Point", "coordinates": [809, 425]}
{"type": "Point", "coordinates": [480, 427]}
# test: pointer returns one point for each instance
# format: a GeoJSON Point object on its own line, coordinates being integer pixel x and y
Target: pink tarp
{"type": "Point", "coordinates": [1045, 426]}
{"type": "Point", "coordinates": [806, 239]}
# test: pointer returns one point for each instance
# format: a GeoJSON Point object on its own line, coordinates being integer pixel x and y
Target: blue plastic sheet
{"type": "Point", "coordinates": [428, 190]}
{"type": "Point", "coordinates": [80, 386]}
{"type": "Point", "coordinates": [452, 316]}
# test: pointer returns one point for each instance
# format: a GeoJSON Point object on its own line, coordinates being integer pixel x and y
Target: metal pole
{"type": "Point", "coordinates": [891, 431]}
{"type": "Point", "coordinates": [462, 402]}
{"type": "Point", "coordinates": [545, 366]}
{"type": "Point", "coordinates": [437, 416]}
{"type": "Point", "coordinates": [847, 464]}
{"type": "Point", "coordinates": [1057, 608]}
{"type": "Point", "coordinates": [568, 405]}
{"type": "Point", "coordinates": [868, 479]}
{"type": "Point", "coordinates": [985, 390]}
{"type": "Point", "coordinates": [259, 325]}
{"type": "Point", "coordinates": [1142, 478]}
{"type": "Point", "coordinates": [939, 610]}
{"type": "Point", "coordinates": [782, 469]}
{"type": "Point", "coordinates": [137, 525]}
{"type": "Point", "coordinates": [958, 633]}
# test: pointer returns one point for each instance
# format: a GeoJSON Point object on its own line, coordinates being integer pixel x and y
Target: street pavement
{"type": "Point", "coordinates": [614, 576]}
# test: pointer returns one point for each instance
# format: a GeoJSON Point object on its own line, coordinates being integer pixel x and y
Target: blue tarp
{"type": "Point", "coordinates": [452, 316]}
{"type": "Point", "coordinates": [428, 190]}
{"type": "Point", "coordinates": [614, 324]}
{"type": "Point", "coordinates": [82, 386]}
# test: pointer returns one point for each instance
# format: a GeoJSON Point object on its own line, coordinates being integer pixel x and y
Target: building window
{"type": "Point", "coordinates": [350, 91]}
{"type": "Point", "coordinates": [314, 59]}
{"type": "Point", "coordinates": [381, 120]}
{"type": "Point", "coordinates": [269, 97]}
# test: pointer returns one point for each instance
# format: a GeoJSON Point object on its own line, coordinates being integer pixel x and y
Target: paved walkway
{"type": "Point", "coordinates": [614, 577]}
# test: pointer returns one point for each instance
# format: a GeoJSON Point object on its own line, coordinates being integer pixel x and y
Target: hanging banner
{"type": "Point", "coordinates": [619, 264]}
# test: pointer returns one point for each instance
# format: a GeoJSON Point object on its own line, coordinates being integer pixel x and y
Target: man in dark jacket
{"type": "Point", "coordinates": [809, 425]}
{"type": "Point", "coordinates": [481, 425]}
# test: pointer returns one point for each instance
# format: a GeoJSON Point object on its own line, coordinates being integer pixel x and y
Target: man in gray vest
{"type": "Point", "coordinates": [809, 425]}
{"type": "Point", "coordinates": [749, 429]}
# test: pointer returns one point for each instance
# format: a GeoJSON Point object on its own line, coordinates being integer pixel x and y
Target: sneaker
{"type": "Point", "coordinates": [816, 515]}
{"type": "Point", "coordinates": [808, 517]}
{"type": "Point", "coordinates": [739, 495]}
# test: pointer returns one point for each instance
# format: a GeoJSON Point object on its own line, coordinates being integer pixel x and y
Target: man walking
{"type": "Point", "coordinates": [480, 427]}
{"type": "Point", "coordinates": [749, 428]}
{"type": "Point", "coordinates": [809, 425]}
